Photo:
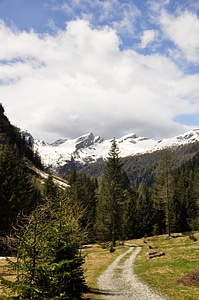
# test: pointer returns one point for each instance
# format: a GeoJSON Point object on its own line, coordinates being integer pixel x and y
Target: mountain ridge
{"type": "Point", "coordinates": [88, 148]}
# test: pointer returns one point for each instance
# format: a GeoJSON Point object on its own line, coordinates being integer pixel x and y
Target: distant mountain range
{"type": "Point", "coordinates": [88, 148]}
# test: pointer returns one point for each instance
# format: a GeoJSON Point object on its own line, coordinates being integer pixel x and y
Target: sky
{"type": "Point", "coordinates": [110, 67]}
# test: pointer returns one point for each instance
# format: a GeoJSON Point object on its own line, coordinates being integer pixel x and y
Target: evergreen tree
{"type": "Point", "coordinates": [49, 263]}
{"type": "Point", "coordinates": [82, 191]}
{"type": "Point", "coordinates": [186, 198]}
{"type": "Point", "coordinates": [50, 189]}
{"type": "Point", "coordinates": [131, 215]}
{"type": "Point", "coordinates": [16, 189]}
{"type": "Point", "coordinates": [145, 211]}
{"type": "Point", "coordinates": [163, 192]}
{"type": "Point", "coordinates": [111, 200]}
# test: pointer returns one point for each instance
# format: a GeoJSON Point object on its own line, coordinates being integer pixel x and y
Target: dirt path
{"type": "Point", "coordinates": [118, 282]}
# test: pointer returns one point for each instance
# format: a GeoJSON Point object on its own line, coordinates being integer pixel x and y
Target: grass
{"type": "Point", "coordinates": [8, 274]}
{"type": "Point", "coordinates": [162, 273]}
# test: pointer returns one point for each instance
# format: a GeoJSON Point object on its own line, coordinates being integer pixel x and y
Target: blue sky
{"type": "Point", "coordinates": [107, 67]}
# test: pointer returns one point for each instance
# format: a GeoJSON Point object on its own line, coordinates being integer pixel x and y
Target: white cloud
{"type": "Point", "coordinates": [147, 38]}
{"type": "Point", "coordinates": [183, 31]}
{"type": "Point", "coordinates": [79, 81]}
{"type": "Point", "coordinates": [117, 14]}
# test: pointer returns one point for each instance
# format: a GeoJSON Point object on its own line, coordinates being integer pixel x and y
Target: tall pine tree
{"type": "Point", "coordinates": [163, 192]}
{"type": "Point", "coordinates": [17, 192]}
{"type": "Point", "coordinates": [109, 223]}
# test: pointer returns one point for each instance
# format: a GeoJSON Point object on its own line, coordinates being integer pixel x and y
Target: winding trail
{"type": "Point", "coordinates": [119, 282]}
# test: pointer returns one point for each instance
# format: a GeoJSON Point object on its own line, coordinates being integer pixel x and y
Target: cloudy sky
{"type": "Point", "coordinates": [111, 67]}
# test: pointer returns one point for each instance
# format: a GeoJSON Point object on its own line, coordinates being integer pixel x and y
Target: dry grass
{"type": "Point", "coordinates": [6, 273]}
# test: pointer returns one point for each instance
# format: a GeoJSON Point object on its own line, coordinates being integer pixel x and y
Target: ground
{"type": "Point", "coordinates": [191, 279]}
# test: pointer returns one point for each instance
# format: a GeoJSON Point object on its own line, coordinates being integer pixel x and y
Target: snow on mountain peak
{"type": "Point", "coordinates": [89, 148]}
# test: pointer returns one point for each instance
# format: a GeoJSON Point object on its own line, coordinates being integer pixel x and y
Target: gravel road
{"type": "Point", "coordinates": [119, 282]}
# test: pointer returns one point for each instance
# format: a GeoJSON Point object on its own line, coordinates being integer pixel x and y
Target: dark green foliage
{"type": "Point", "coordinates": [139, 214]}
{"type": "Point", "coordinates": [180, 189]}
{"type": "Point", "coordinates": [17, 192]}
{"type": "Point", "coordinates": [186, 196]}
{"type": "Point", "coordinates": [112, 198]}
{"type": "Point", "coordinates": [131, 216]}
{"type": "Point", "coordinates": [163, 188]}
{"type": "Point", "coordinates": [50, 189]}
{"type": "Point", "coordinates": [49, 263]}
{"type": "Point", "coordinates": [82, 192]}
{"type": "Point", "coordinates": [146, 211]}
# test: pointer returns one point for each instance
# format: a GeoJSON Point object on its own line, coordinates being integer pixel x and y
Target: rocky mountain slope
{"type": "Point", "coordinates": [86, 149]}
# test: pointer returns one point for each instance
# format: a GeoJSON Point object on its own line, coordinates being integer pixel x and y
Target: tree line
{"type": "Point", "coordinates": [115, 210]}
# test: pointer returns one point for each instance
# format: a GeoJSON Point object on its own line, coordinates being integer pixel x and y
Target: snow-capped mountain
{"type": "Point", "coordinates": [89, 148]}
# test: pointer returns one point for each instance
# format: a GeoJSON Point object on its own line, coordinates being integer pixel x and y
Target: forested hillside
{"type": "Point", "coordinates": [140, 168]}
{"type": "Point", "coordinates": [18, 190]}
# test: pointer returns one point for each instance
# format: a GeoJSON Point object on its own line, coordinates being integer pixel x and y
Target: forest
{"type": "Point", "coordinates": [45, 225]}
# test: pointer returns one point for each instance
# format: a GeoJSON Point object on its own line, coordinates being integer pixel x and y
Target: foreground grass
{"type": "Point", "coordinates": [8, 274]}
{"type": "Point", "coordinates": [162, 273]}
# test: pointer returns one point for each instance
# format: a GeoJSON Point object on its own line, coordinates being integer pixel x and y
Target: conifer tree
{"type": "Point", "coordinates": [82, 191]}
{"type": "Point", "coordinates": [131, 215]}
{"type": "Point", "coordinates": [186, 196]}
{"type": "Point", "coordinates": [49, 262]}
{"type": "Point", "coordinates": [145, 211]}
{"type": "Point", "coordinates": [16, 188]}
{"type": "Point", "coordinates": [163, 192]}
{"type": "Point", "coordinates": [111, 201]}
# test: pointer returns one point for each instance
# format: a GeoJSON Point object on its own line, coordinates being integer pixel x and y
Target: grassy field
{"type": "Point", "coordinates": [161, 273]}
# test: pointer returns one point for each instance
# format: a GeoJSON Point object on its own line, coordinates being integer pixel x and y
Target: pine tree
{"type": "Point", "coordinates": [163, 192]}
{"type": "Point", "coordinates": [82, 191]}
{"type": "Point", "coordinates": [16, 189]}
{"type": "Point", "coordinates": [131, 216]}
{"type": "Point", "coordinates": [186, 196]}
{"type": "Point", "coordinates": [111, 201]}
{"type": "Point", "coordinates": [145, 211]}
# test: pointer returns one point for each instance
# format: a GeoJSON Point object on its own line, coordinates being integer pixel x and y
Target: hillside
{"type": "Point", "coordinates": [141, 167]}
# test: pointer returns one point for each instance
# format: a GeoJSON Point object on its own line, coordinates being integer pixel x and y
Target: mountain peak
{"type": "Point", "coordinates": [86, 140]}
{"type": "Point", "coordinates": [89, 148]}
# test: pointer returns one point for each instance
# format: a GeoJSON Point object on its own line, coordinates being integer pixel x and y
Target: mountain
{"type": "Point", "coordinates": [87, 149]}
